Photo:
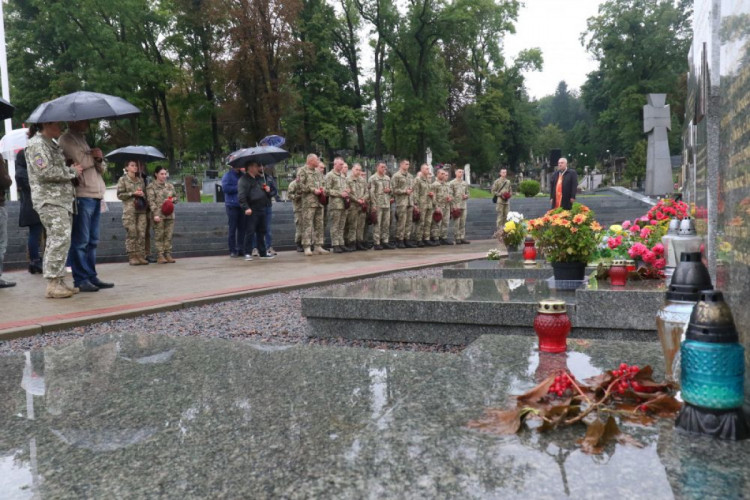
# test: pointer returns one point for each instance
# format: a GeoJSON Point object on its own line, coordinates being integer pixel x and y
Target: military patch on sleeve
{"type": "Point", "coordinates": [39, 161]}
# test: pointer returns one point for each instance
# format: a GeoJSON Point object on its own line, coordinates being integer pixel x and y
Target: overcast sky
{"type": "Point", "coordinates": [554, 26]}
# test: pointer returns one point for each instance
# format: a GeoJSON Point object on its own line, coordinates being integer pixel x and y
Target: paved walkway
{"type": "Point", "coordinates": [146, 289]}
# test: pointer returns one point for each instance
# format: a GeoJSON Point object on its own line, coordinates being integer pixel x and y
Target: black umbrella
{"type": "Point", "coordinates": [83, 106]}
{"type": "Point", "coordinates": [6, 109]}
{"type": "Point", "coordinates": [140, 153]}
{"type": "Point", "coordinates": [264, 155]}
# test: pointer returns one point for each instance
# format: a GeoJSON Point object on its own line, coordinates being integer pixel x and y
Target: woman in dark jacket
{"type": "Point", "coordinates": [27, 216]}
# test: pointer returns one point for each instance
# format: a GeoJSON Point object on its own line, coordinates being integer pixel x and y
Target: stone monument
{"type": "Point", "coordinates": [467, 173]}
{"type": "Point", "coordinates": [656, 122]}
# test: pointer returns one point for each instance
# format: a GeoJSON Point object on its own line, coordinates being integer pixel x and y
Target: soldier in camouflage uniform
{"type": "Point", "coordinates": [403, 187]}
{"type": "Point", "coordinates": [157, 193]}
{"type": "Point", "coordinates": [442, 200]}
{"type": "Point", "coordinates": [52, 195]}
{"type": "Point", "coordinates": [131, 191]}
{"type": "Point", "coordinates": [310, 186]}
{"type": "Point", "coordinates": [294, 195]}
{"type": "Point", "coordinates": [423, 202]}
{"type": "Point", "coordinates": [356, 217]}
{"type": "Point", "coordinates": [337, 191]}
{"type": "Point", "coordinates": [460, 193]}
{"type": "Point", "coordinates": [379, 186]}
{"type": "Point", "coordinates": [499, 188]}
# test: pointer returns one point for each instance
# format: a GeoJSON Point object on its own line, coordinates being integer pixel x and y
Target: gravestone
{"type": "Point", "coordinates": [656, 121]}
{"type": "Point", "coordinates": [467, 173]}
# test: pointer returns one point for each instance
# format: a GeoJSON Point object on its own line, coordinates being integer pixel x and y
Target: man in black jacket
{"type": "Point", "coordinates": [563, 186]}
{"type": "Point", "coordinates": [254, 195]}
{"type": "Point", "coordinates": [5, 182]}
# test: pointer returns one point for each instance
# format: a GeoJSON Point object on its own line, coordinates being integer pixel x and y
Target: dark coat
{"type": "Point", "coordinates": [250, 193]}
{"type": "Point", "coordinates": [27, 216]}
{"type": "Point", "coordinates": [569, 188]}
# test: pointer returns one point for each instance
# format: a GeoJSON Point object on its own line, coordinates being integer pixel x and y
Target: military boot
{"type": "Point", "coordinates": [410, 244]}
{"type": "Point", "coordinates": [133, 259]}
{"type": "Point", "coordinates": [400, 244]}
{"type": "Point", "coordinates": [337, 249]}
{"type": "Point", "coordinates": [308, 252]}
{"type": "Point", "coordinates": [420, 243]}
{"type": "Point", "coordinates": [300, 248]}
{"type": "Point", "coordinates": [319, 250]}
{"type": "Point", "coordinates": [141, 259]}
{"type": "Point", "coordinates": [168, 258]}
{"type": "Point", "coordinates": [73, 289]}
{"type": "Point", "coordinates": [56, 290]}
{"type": "Point", "coordinates": [161, 260]}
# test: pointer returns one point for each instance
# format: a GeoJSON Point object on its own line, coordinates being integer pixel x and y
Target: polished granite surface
{"type": "Point", "coordinates": [141, 416]}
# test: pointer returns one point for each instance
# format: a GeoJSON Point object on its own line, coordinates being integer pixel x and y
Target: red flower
{"type": "Point", "coordinates": [658, 249]}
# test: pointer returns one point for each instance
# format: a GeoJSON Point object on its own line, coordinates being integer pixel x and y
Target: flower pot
{"type": "Point", "coordinates": [512, 248]}
{"type": "Point", "coordinates": [618, 273]}
{"type": "Point", "coordinates": [569, 271]}
{"type": "Point", "coordinates": [529, 250]}
{"type": "Point", "coordinates": [552, 325]}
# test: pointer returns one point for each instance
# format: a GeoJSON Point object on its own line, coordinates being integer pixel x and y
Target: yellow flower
{"type": "Point", "coordinates": [615, 228]}
{"type": "Point", "coordinates": [580, 218]}
{"type": "Point", "coordinates": [725, 246]}
{"type": "Point", "coordinates": [596, 226]}
{"type": "Point", "coordinates": [510, 226]}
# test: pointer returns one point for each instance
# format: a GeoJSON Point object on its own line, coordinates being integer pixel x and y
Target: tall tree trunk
{"type": "Point", "coordinates": [378, 91]}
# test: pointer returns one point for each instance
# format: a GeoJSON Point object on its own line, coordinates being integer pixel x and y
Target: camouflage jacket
{"type": "Point", "coordinates": [421, 187]}
{"type": "Point", "coordinates": [49, 178]}
{"type": "Point", "coordinates": [499, 187]}
{"type": "Point", "coordinates": [458, 190]}
{"type": "Point", "coordinates": [376, 186]}
{"type": "Point", "coordinates": [309, 181]}
{"type": "Point", "coordinates": [125, 189]}
{"type": "Point", "coordinates": [442, 191]}
{"type": "Point", "coordinates": [293, 194]}
{"type": "Point", "coordinates": [358, 190]}
{"type": "Point", "coordinates": [402, 182]}
{"type": "Point", "coordinates": [335, 187]}
{"type": "Point", "coordinates": [157, 193]}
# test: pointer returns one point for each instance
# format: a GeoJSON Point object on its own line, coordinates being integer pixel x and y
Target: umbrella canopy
{"type": "Point", "coordinates": [273, 140]}
{"type": "Point", "coordinates": [139, 153]}
{"type": "Point", "coordinates": [6, 109]}
{"type": "Point", "coordinates": [265, 155]}
{"type": "Point", "coordinates": [13, 140]}
{"type": "Point", "coordinates": [83, 106]}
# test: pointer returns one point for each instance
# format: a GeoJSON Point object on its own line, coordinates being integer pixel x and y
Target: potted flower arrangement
{"type": "Point", "coordinates": [668, 208]}
{"type": "Point", "coordinates": [568, 238]}
{"type": "Point", "coordinates": [513, 232]}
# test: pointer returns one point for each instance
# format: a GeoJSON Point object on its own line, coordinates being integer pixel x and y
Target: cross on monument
{"type": "Point", "coordinates": [656, 121]}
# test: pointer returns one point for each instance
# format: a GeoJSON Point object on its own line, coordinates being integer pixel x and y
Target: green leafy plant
{"type": "Point", "coordinates": [567, 235]}
{"type": "Point", "coordinates": [529, 188]}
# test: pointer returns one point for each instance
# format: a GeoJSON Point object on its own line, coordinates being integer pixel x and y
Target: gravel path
{"type": "Point", "coordinates": [274, 318]}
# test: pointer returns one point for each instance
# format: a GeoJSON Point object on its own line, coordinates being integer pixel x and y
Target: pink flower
{"type": "Point", "coordinates": [645, 232]}
{"type": "Point", "coordinates": [634, 228]}
{"type": "Point", "coordinates": [658, 249]}
{"type": "Point", "coordinates": [649, 257]}
{"type": "Point", "coordinates": [626, 224]}
{"type": "Point", "coordinates": [643, 218]}
{"type": "Point", "coordinates": [637, 250]}
{"type": "Point", "coordinates": [654, 222]}
{"type": "Point", "coordinates": [614, 242]}
{"type": "Point", "coordinates": [660, 263]}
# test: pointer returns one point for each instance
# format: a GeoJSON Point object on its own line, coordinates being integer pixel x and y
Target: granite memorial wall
{"type": "Point", "coordinates": [717, 149]}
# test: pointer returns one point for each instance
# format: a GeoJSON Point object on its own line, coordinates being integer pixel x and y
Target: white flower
{"type": "Point", "coordinates": [515, 217]}
{"type": "Point", "coordinates": [494, 254]}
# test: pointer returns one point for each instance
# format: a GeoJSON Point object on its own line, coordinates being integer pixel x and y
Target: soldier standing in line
{"type": "Point", "coordinates": [403, 187]}
{"type": "Point", "coordinates": [357, 212]}
{"type": "Point", "coordinates": [157, 193]}
{"type": "Point", "coordinates": [501, 190]}
{"type": "Point", "coordinates": [296, 197]}
{"type": "Point", "coordinates": [423, 203]}
{"type": "Point", "coordinates": [52, 195]}
{"type": "Point", "coordinates": [460, 193]}
{"type": "Point", "coordinates": [379, 186]}
{"type": "Point", "coordinates": [442, 202]}
{"type": "Point", "coordinates": [131, 191]}
{"type": "Point", "coordinates": [338, 197]}
{"type": "Point", "coordinates": [310, 188]}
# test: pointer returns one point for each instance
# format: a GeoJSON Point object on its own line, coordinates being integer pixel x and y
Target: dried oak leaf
{"type": "Point", "coordinates": [664, 405]}
{"type": "Point", "coordinates": [599, 382]}
{"type": "Point", "coordinates": [536, 394]}
{"type": "Point", "coordinates": [556, 415]}
{"type": "Point", "coordinates": [496, 421]}
{"type": "Point", "coordinates": [599, 434]}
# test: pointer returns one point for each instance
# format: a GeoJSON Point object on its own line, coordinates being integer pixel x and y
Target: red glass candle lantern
{"type": "Point", "coordinates": [552, 325]}
{"type": "Point", "coordinates": [618, 273]}
{"type": "Point", "coordinates": [529, 250]}
{"type": "Point", "coordinates": [630, 265]}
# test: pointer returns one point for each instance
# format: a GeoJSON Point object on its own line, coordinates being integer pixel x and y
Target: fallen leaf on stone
{"type": "Point", "coordinates": [599, 434]}
{"type": "Point", "coordinates": [495, 421]}
{"type": "Point", "coordinates": [533, 396]}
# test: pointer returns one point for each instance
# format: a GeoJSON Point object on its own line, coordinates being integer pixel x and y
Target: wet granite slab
{"type": "Point", "coordinates": [142, 416]}
{"type": "Point", "coordinates": [457, 311]}
{"type": "Point", "coordinates": [512, 267]}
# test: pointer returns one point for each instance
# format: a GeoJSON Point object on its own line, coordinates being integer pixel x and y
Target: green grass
{"type": "Point", "coordinates": [479, 193]}
{"type": "Point", "coordinates": [207, 198]}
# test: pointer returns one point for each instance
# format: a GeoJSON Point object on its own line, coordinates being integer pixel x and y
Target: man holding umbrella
{"type": "Point", "coordinates": [254, 194]}
{"type": "Point", "coordinates": [89, 194]}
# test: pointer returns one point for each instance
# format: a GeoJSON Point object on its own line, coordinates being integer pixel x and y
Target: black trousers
{"type": "Point", "coordinates": [256, 224]}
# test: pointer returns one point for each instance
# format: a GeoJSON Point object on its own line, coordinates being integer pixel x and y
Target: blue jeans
{"type": "Point", "coordinates": [236, 218]}
{"type": "Point", "coordinates": [84, 239]}
{"type": "Point", "coordinates": [269, 239]}
{"type": "Point", "coordinates": [255, 225]}
{"type": "Point", "coordinates": [35, 234]}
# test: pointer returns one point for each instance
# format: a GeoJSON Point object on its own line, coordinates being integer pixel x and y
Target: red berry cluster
{"type": "Point", "coordinates": [562, 383]}
{"type": "Point", "coordinates": [625, 375]}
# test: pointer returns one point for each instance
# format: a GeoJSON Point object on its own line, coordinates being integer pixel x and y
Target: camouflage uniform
{"type": "Point", "coordinates": [134, 220]}
{"type": "Point", "coordinates": [335, 187]}
{"type": "Point", "coordinates": [422, 186]}
{"type": "Point", "coordinates": [52, 195]}
{"type": "Point", "coordinates": [442, 192]}
{"type": "Point", "coordinates": [355, 218]}
{"type": "Point", "coordinates": [401, 183]}
{"type": "Point", "coordinates": [458, 190]}
{"type": "Point", "coordinates": [157, 193]}
{"type": "Point", "coordinates": [312, 210]}
{"type": "Point", "coordinates": [499, 187]}
{"type": "Point", "coordinates": [294, 195]}
{"type": "Point", "coordinates": [381, 202]}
